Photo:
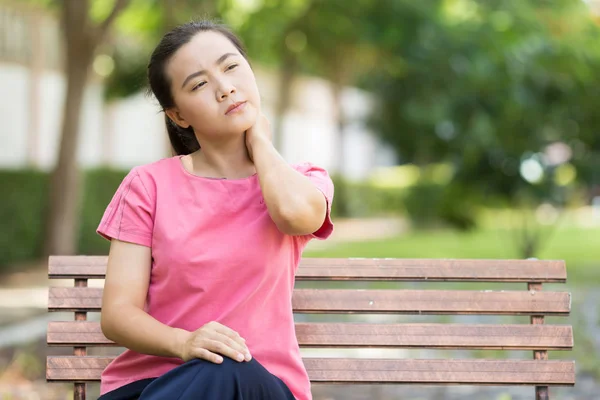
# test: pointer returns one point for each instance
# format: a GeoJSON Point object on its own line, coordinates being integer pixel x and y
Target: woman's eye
{"type": "Point", "coordinates": [198, 86]}
{"type": "Point", "coordinates": [232, 66]}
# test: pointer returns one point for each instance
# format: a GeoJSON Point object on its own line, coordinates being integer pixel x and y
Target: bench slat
{"type": "Point", "coordinates": [338, 335]}
{"type": "Point", "coordinates": [368, 269]}
{"type": "Point", "coordinates": [336, 370]}
{"type": "Point", "coordinates": [373, 301]}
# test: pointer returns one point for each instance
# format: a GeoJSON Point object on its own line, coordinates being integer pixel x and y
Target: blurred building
{"type": "Point", "coordinates": [131, 131]}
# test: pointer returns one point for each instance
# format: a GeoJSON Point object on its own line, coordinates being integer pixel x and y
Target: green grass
{"type": "Point", "coordinates": [580, 248]}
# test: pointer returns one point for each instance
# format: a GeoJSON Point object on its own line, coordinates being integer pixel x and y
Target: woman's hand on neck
{"type": "Point", "coordinates": [260, 131]}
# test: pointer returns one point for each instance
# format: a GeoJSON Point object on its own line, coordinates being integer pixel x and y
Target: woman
{"type": "Point", "coordinates": [204, 245]}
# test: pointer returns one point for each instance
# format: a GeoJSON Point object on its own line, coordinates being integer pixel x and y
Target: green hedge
{"type": "Point", "coordinates": [359, 200]}
{"type": "Point", "coordinates": [99, 188]}
{"type": "Point", "coordinates": [23, 210]}
{"type": "Point", "coordinates": [425, 204]}
{"type": "Point", "coordinates": [22, 214]}
{"type": "Point", "coordinates": [431, 205]}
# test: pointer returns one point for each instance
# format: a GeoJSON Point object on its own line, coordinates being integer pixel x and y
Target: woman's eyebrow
{"type": "Point", "coordinates": [195, 74]}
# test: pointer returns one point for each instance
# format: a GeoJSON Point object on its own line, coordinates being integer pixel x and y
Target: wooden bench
{"type": "Point", "coordinates": [539, 372]}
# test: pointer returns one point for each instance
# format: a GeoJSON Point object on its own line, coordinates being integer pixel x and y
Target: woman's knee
{"type": "Point", "coordinates": [234, 369]}
{"type": "Point", "coordinates": [227, 369]}
{"type": "Point", "coordinates": [246, 374]}
{"type": "Point", "coordinates": [227, 380]}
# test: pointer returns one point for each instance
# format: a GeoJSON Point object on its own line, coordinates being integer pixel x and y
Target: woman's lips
{"type": "Point", "coordinates": [236, 107]}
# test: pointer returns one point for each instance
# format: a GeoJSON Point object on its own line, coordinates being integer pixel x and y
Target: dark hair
{"type": "Point", "coordinates": [183, 140]}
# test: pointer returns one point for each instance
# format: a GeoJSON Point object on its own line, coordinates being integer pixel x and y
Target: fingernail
{"type": "Point", "coordinates": [240, 357]}
{"type": "Point", "coordinates": [248, 357]}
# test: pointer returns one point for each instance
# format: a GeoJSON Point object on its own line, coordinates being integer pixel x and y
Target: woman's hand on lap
{"type": "Point", "coordinates": [212, 341]}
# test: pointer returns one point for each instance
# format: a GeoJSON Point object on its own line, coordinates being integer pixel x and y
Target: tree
{"type": "Point", "coordinates": [488, 89]}
{"type": "Point", "coordinates": [81, 39]}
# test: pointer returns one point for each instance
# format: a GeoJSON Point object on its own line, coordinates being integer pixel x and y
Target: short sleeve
{"type": "Point", "coordinates": [320, 178]}
{"type": "Point", "coordinates": [130, 214]}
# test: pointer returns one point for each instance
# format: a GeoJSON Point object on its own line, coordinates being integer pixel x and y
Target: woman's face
{"type": "Point", "coordinates": [209, 76]}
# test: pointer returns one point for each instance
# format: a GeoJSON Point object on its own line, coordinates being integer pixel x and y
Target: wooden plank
{"type": "Point", "coordinates": [361, 371]}
{"type": "Point", "coordinates": [374, 301]}
{"type": "Point", "coordinates": [480, 372]}
{"type": "Point", "coordinates": [432, 270]}
{"type": "Point", "coordinates": [67, 333]}
{"type": "Point", "coordinates": [72, 368]}
{"type": "Point", "coordinates": [431, 302]}
{"type": "Point", "coordinates": [74, 299]}
{"type": "Point", "coordinates": [369, 269]}
{"type": "Point", "coordinates": [71, 267]}
{"type": "Point", "coordinates": [339, 335]}
{"type": "Point", "coordinates": [435, 336]}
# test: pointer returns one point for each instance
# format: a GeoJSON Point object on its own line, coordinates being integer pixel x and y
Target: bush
{"type": "Point", "coordinates": [24, 205]}
{"type": "Point", "coordinates": [460, 207]}
{"type": "Point", "coordinates": [358, 200]}
{"type": "Point", "coordinates": [430, 205]}
{"type": "Point", "coordinates": [425, 204]}
{"type": "Point", "coordinates": [99, 188]}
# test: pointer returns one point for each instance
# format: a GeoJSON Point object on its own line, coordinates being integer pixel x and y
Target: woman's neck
{"type": "Point", "coordinates": [222, 160]}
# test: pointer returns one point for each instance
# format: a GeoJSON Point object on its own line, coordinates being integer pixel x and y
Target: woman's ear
{"type": "Point", "coordinates": [176, 117]}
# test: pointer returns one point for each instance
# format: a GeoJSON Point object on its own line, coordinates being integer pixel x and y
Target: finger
{"type": "Point", "coordinates": [207, 355]}
{"type": "Point", "coordinates": [237, 339]}
{"type": "Point", "coordinates": [221, 348]}
{"type": "Point", "coordinates": [220, 329]}
{"type": "Point", "coordinates": [227, 331]}
{"type": "Point", "coordinates": [237, 345]}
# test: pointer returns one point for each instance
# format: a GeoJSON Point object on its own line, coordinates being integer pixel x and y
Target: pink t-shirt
{"type": "Point", "coordinates": [216, 256]}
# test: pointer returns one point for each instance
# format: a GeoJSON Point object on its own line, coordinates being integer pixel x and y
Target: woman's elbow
{"type": "Point", "coordinates": [106, 324]}
{"type": "Point", "coordinates": [105, 327]}
{"type": "Point", "coordinates": [301, 221]}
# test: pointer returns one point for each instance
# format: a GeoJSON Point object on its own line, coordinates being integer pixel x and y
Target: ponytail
{"type": "Point", "coordinates": [183, 140]}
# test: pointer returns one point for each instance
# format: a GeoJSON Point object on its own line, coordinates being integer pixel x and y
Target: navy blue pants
{"type": "Point", "coordinates": [203, 380]}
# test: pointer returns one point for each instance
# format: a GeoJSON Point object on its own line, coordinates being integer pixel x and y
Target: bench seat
{"type": "Point", "coordinates": [531, 302]}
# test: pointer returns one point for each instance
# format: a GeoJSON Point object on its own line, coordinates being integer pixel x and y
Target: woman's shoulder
{"type": "Point", "coordinates": [150, 175]}
{"type": "Point", "coordinates": [156, 169]}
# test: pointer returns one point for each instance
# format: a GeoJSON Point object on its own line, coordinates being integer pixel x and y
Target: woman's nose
{"type": "Point", "coordinates": [225, 89]}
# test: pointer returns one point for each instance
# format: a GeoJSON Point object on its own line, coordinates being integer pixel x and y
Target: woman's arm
{"type": "Point", "coordinates": [123, 318]}
{"type": "Point", "coordinates": [295, 204]}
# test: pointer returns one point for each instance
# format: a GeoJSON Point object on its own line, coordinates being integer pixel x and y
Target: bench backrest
{"type": "Point", "coordinates": [535, 336]}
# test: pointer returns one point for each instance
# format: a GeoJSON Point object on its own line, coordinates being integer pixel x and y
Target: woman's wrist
{"type": "Point", "coordinates": [259, 140]}
{"type": "Point", "coordinates": [255, 144]}
{"type": "Point", "coordinates": [180, 337]}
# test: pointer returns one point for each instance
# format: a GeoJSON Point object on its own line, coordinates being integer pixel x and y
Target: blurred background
{"type": "Point", "coordinates": [452, 128]}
